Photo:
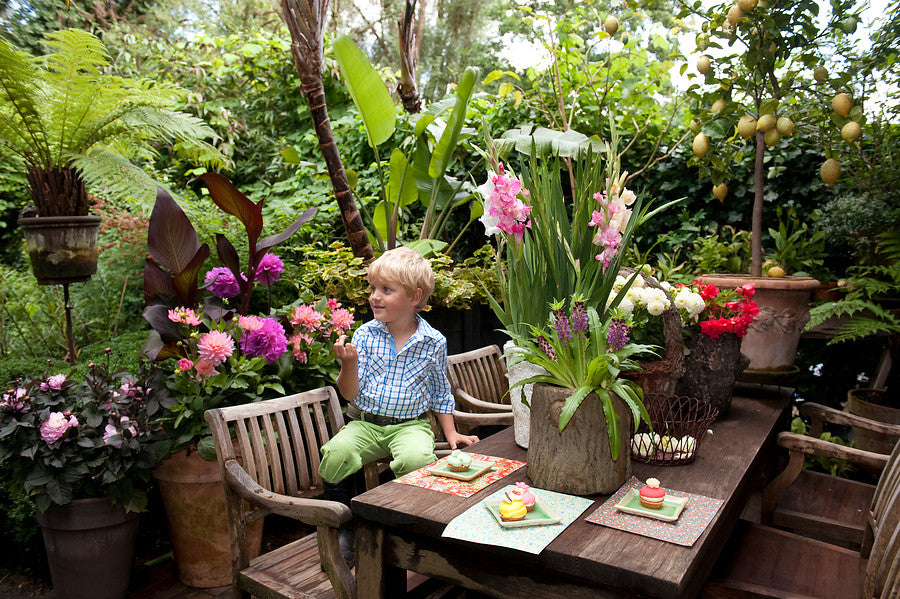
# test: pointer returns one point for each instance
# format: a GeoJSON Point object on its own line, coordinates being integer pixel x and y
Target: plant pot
{"type": "Point", "coordinates": [577, 460]}
{"type": "Point", "coordinates": [193, 497]}
{"type": "Point", "coordinates": [873, 404]}
{"type": "Point", "coordinates": [520, 397]}
{"type": "Point", "coordinates": [90, 547]}
{"type": "Point", "coordinates": [711, 368]}
{"type": "Point", "coordinates": [771, 343]}
{"type": "Point", "coordinates": [62, 249]}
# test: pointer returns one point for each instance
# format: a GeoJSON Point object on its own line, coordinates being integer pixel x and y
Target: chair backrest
{"type": "Point", "coordinates": [883, 568]}
{"type": "Point", "coordinates": [481, 373]}
{"type": "Point", "coordinates": [278, 440]}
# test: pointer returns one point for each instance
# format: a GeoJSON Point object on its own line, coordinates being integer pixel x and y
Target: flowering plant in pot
{"type": "Point", "coordinates": [584, 356]}
{"type": "Point", "coordinates": [84, 452]}
{"type": "Point", "coordinates": [716, 322]}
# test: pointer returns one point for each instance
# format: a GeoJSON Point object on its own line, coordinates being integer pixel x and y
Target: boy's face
{"type": "Point", "coordinates": [391, 302]}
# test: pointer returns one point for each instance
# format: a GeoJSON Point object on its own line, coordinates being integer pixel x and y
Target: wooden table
{"type": "Point", "coordinates": [399, 526]}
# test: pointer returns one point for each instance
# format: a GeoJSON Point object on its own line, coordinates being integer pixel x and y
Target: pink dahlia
{"type": "Point", "coordinates": [222, 283]}
{"type": "Point", "coordinates": [307, 317]}
{"type": "Point", "coordinates": [341, 320]}
{"type": "Point", "coordinates": [215, 347]}
{"type": "Point", "coordinates": [268, 341]}
{"type": "Point", "coordinates": [55, 427]}
{"type": "Point", "coordinates": [269, 269]}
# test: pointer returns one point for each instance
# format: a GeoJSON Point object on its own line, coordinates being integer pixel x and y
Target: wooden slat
{"type": "Point", "coordinates": [276, 467]}
{"type": "Point", "coordinates": [243, 439]}
{"type": "Point", "coordinates": [303, 481]}
{"type": "Point", "coordinates": [287, 455]}
{"type": "Point", "coordinates": [259, 451]}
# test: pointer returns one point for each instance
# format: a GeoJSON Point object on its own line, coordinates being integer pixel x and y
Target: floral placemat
{"type": "Point", "coordinates": [425, 479]}
{"type": "Point", "coordinates": [694, 519]}
{"type": "Point", "coordinates": [478, 525]}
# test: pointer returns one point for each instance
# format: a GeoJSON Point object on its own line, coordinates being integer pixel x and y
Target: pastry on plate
{"type": "Point", "coordinates": [458, 461]}
{"type": "Point", "coordinates": [652, 495]}
{"type": "Point", "coordinates": [523, 492]}
{"type": "Point", "coordinates": [512, 508]}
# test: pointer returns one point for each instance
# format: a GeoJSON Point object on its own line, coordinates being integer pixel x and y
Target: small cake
{"type": "Point", "coordinates": [458, 461]}
{"type": "Point", "coordinates": [652, 495]}
{"type": "Point", "coordinates": [523, 492]}
{"type": "Point", "coordinates": [512, 508]}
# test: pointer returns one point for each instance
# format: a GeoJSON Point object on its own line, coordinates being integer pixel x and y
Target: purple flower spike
{"type": "Point", "coordinates": [563, 326]}
{"type": "Point", "coordinates": [618, 334]}
{"type": "Point", "coordinates": [579, 319]}
{"type": "Point", "coordinates": [269, 269]}
{"type": "Point", "coordinates": [545, 346]}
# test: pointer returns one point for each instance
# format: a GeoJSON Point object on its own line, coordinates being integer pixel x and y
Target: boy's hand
{"type": "Point", "coordinates": [454, 439]}
{"type": "Point", "coordinates": [344, 351]}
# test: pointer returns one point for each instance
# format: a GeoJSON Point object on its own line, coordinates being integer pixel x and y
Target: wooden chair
{"type": "Point", "coordinates": [821, 506]}
{"type": "Point", "coordinates": [481, 388]}
{"type": "Point", "coordinates": [760, 561]}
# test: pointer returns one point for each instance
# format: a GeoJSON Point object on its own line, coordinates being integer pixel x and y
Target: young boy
{"type": "Point", "coordinates": [394, 373]}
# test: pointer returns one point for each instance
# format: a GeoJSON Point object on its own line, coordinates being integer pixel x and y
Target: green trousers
{"type": "Point", "coordinates": [410, 445]}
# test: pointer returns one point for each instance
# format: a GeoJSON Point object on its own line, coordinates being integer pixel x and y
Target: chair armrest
{"type": "Point", "coordinates": [315, 512]}
{"type": "Point", "coordinates": [819, 414]}
{"type": "Point", "coordinates": [813, 446]}
{"type": "Point", "coordinates": [468, 401]}
{"type": "Point", "coordinates": [479, 419]}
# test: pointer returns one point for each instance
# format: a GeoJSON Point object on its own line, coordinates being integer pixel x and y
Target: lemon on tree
{"type": "Point", "coordinates": [747, 5]}
{"type": "Point", "coordinates": [851, 132]}
{"type": "Point", "coordinates": [766, 122]}
{"type": "Point", "coordinates": [842, 104]}
{"type": "Point", "coordinates": [830, 171]}
{"type": "Point", "coordinates": [611, 24]}
{"type": "Point", "coordinates": [718, 106]}
{"type": "Point", "coordinates": [703, 64]}
{"type": "Point", "coordinates": [695, 125]}
{"type": "Point", "coordinates": [747, 126]}
{"type": "Point", "coordinates": [734, 15]}
{"type": "Point", "coordinates": [701, 145]}
{"type": "Point", "coordinates": [720, 191]}
{"type": "Point", "coordinates": [820, 74]}
{"type": "Point", "coordinates": [772, 137]}
{"type": "Point", "coordinates": [784, 126]}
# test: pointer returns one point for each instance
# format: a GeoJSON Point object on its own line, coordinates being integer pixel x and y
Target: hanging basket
{"type": "Point", "coordinates": [679, 424]}
{"type": "Point", "coordinates": [661, 376]}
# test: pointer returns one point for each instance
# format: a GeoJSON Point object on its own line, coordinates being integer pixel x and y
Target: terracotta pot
{"type": "Point", "coordinates": [771, 344]}
{"type": "Point", "coordinates": [711, 368]}
{"type": "Point", "coordinates": [578, 459]}
{"type": "Point", "coordinates": [90, 547]}
{"type": "Point", "coordinates": [871, 404]}
{"type": "Point", "coordinates": [62, 249]}
{"type": "Point", "coordinates": [193, 496]}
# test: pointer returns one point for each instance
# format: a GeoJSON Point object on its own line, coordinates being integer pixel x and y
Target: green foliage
{"type": "Point", "coordinates": [724, 251]}
{"type": "Point", "coordinates": [832, 466]}
{"type": "Point", "coordinates": [798, 249]}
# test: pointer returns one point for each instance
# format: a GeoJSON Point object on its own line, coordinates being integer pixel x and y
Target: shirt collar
{"type": "Point", "coordinates": [423, 329]}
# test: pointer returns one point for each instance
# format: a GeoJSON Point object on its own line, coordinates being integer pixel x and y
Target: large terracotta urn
{"type": "Point", "coordinates": [771, 343]}
{"type": "Point", "coordinates": [577, 460]}
{"type": "Point", "coordinates": [193, 497]}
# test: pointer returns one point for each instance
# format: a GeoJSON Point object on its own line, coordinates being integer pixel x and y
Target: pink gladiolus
{"type": "Point", "coordinates": [215, 347]}
{"type": "Point", "coordinates": [55, 427]}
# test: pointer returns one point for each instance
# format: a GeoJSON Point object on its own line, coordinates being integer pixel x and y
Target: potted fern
{"type": "Point", "coordinates": [77, 127]}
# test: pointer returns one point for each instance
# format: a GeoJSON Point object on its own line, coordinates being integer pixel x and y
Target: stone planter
{"type": "Point", "coordinates": [194, 500]}
{"type": "Point", "coordinates": [62, 249]}
{"type": "Point", "coordinates": [520, 397]}
{"type": "Point", "coordinates": [771, 343]}
{"type": "Point", "coordinates": [711, 368]}
{"type": "Point", "coordinates": [577, 460]}
{"type": "Point", "coordinates": [90, 548]}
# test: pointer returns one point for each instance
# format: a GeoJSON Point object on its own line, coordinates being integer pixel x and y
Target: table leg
{"type": "Point", "coordinates": [375, 577]}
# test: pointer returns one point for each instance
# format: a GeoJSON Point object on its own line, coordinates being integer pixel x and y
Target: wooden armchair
{"type": "Point", "coordinates": [828, 508]}
{"type": "Point", "coordinates": [273, 465]}
{"type": "Point", "coordinates": [761, 561]}
{"type": "Point", "coordinates": [481, 387]}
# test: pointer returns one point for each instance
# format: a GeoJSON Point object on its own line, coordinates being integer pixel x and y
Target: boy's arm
{"type": "Point", "coordinates": [348, 379]}
{"type": "Point", "coordinates": [454, 438]}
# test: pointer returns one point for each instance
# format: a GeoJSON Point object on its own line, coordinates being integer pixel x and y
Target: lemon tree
{"type": "Point", "coordinates": [760, 80]}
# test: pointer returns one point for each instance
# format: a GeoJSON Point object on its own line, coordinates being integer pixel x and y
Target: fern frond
{"type": "Point", "coordinates": [847, 307]}
{"type": "Point", "coordinates": [20, 92]}
{"type": "Point", "coordinates": [859, 328]}
{"type": "Point", "coordinates": [117, 176]}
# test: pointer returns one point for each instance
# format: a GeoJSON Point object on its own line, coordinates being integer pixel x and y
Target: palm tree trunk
{"type": "Point", "coordinates": [305, 19]}
{"type": "Point", "coordinates": [409, 59]}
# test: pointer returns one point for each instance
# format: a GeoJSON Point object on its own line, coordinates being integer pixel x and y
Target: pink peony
{"type": "Point", "coordinates": [16, 401]}
{"type": "Point", "coordinates": [269, 269]}
{"type": "Point", "coordinates": [55, 427]}
{"type": "Point", "coordinates": [215, 347]}
{"type": "Point", "coordinates": [111, 431]}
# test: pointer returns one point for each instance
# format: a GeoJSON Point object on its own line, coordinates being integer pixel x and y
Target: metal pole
{"type": "Point", "coordinates": [70, 337]}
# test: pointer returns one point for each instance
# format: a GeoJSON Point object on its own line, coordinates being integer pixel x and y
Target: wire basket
{"type": "Point", "coordinates": [679, 424]}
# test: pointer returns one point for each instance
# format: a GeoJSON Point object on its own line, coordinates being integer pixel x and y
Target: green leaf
{"type": "Point", "coordinates": [368, 91]}
{"type": "Point", "coordinates": [443, 151]}
{"type": "Point", "coordinates": [401, 185]}
{"type": "Point", "coordinates": [380, 218]}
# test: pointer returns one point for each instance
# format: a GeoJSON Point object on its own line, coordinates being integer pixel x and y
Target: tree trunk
{"type": "Point", "coordinates": [304, 20]}
{"type": "Point", "coordinates": [759, 181]}
{"type": "Point", "coordinates": [409, 60]}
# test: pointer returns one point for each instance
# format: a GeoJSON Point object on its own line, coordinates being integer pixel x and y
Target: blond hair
{"type": "Point", "coordinates": [406, 267]}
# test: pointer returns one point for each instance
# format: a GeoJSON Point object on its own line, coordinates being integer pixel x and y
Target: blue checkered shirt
{"type": "Point", "coordinates": [407, 384]}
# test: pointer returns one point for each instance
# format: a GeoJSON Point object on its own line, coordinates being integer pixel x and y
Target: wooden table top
{"type": "Point", "coordinates": [729, 466]}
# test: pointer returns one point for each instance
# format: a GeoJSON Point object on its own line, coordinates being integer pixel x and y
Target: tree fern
{"type": "Point", "coordinates": [63, 111]}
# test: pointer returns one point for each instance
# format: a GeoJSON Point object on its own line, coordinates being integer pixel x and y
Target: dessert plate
{"type": "Point", "coordinates": [539, 515]}
{"type": "Point", "coordinates": [669, 512]}
{"type": "Point", "coordinates": [476, 469]}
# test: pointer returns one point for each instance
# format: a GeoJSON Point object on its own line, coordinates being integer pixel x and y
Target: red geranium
{"type": "Point", "coordinates": [727, 310]}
